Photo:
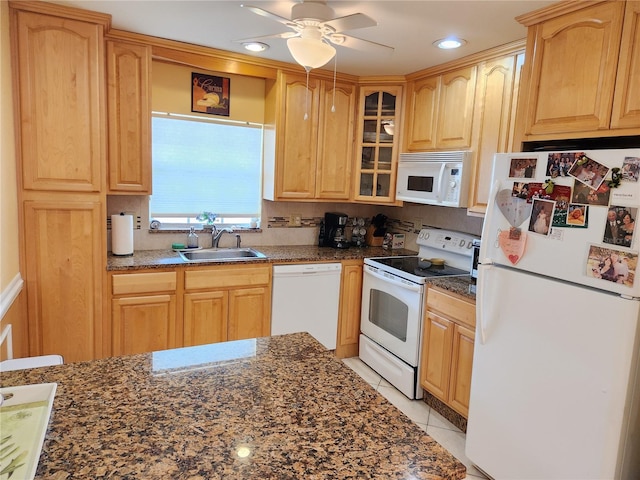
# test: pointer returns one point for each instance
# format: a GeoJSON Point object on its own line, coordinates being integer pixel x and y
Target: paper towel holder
{"type": "Point", "coordinates": [122, 235]}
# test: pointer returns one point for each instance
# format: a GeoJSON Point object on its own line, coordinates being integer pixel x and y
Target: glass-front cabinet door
{"type": "Point", "coordinates": [377, 153]}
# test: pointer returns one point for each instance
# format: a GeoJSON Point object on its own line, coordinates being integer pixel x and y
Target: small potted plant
{"type": "Point", "coordinates": [208, 218]}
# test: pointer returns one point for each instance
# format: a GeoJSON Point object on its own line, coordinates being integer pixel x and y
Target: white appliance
{"type": "Point", "coordinates": [434, 178]}
{"type": "Point", "coordinates": [392, 304]}
{"type": "Point", "coordinates": [305, 298]}
{"type": "Point", "coordinates": [554, 390]}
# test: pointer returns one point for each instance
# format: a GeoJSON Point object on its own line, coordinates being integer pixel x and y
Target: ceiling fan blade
{"type": "Point", "coordinates": [272, 16]}
{"type": "Point", "coordinates": [358, 43]}
{"type": "Point", "coordinates": [350, 22]}
{"type": "Point", "coordinates": [265, 37]}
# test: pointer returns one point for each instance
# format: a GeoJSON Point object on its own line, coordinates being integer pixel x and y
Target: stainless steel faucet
{"type": "Point", "coordinates": [216, 234]}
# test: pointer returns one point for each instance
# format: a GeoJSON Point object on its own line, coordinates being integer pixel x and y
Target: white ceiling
{"type": "Point", "coordinates": [408, 26]}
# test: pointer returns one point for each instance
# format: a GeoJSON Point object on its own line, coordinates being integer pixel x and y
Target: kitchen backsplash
{"type": "Point", "coordinates": [279, 222]}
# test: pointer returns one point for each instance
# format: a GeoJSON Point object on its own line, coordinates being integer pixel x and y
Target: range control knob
{"type": "Point", "coordinates": [453, 184]}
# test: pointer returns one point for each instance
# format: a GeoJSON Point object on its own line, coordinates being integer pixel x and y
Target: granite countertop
{"type": "Point", "coordinates": [269, 408]}
{"type": "Point", "coordinates": [149, 259]}
{"type": "Point", "coordinates": [143, 259]}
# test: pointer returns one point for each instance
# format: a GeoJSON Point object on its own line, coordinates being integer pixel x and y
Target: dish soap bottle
{"type": "Point", "coordinates": [192, 239]}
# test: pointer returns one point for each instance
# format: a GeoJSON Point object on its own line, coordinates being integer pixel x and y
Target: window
{"type": "Point", "coordinates": [202, 164]}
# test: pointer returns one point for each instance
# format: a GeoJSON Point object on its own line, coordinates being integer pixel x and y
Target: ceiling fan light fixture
{"type": "Point", "coordinates": [449, 43]}
{"type": "Point", "coordinates": [255, 46]}
{"type": "Point", "coordinates": [310, 52]}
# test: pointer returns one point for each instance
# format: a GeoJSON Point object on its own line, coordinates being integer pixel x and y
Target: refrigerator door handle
{"type": "Point", "coordinates": [480, 307]}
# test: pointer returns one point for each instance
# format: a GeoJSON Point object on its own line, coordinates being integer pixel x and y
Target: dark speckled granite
{"type": "Point", "coordinates": [285, 254]}
{"type": "Point", "coordinates": [284, 401]}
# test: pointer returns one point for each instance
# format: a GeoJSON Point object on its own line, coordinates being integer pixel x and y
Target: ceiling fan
{"type": "Point", "coordinates": [314, 29]}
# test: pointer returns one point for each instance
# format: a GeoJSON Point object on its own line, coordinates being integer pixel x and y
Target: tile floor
{"type": "Point", "coordinates": [440, 429]}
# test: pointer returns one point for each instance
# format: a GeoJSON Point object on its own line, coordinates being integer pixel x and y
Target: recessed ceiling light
{"type": "Point", "coordinates": [449, 43]}
{"type": "Point", "coordinates": [255, 46]}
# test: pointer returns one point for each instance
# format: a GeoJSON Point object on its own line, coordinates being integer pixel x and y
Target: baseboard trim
{"type": "Point", "coordinates": [9, 294]}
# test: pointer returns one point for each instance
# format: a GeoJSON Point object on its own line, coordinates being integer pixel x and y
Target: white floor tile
{"type": "Point", "coordinates": [416, 410]}
{"type": "Point", "coordinates": [454, 442]}
{"type": "Point", "coordinates": [438, 427]}
{"type": "Point", "coordinates": [367, 373]}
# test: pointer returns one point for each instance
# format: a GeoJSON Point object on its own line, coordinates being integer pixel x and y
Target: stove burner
{"type": "Point", "coordinates": [419, 267]}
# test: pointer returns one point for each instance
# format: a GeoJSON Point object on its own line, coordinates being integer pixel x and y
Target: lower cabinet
{"type": "Point", "coordinates": [227, 303]}
{"type": "Point", "coordinates": [447, 348]}
{"type": "Point", "coordinates": [349, 313]}
{"type": "Point", "coordinates": [143, 312]}
{"type": "Point", "coordinates": [156, 310]}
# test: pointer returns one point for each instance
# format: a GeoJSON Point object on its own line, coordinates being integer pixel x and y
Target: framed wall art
{"type": "Point", "coordinates": [210, 94]}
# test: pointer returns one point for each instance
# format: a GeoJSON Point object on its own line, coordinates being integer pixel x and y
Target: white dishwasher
{"type": "Point", "coordinates": [306, 298]}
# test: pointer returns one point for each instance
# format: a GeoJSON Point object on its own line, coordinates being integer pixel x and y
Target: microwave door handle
{"type": "Point", "coordinates": [413, 288]}
{"type": "Point", "coordinates": [440, 182]}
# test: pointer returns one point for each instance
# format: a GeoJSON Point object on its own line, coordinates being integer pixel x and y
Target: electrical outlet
{"type": "Point", "coordinates": [295, 220]}
{"type": "Point", "coordinates": [417, 224]}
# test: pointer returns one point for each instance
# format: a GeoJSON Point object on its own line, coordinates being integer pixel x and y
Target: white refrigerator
{"type": "Point", "coordinates": [555, 390]}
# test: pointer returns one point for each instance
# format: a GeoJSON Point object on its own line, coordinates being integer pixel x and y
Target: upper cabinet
{"type": "Point", "coordinates": [582, 71]}
{"type": "Point", "coordinates": [129, 112]}
{"type": "Point", "coordinates": [60, 63]}
{"type": "Point", "coordinates": [308, 139]}
{"type": "Point", "coordinates": [493, 120]}
{"type": "Point", "coordinates": [440, 111]}
{"type": "Point", "coordinates": [377, 143]}
{"type": "Point", "coordinates": [626, 101]}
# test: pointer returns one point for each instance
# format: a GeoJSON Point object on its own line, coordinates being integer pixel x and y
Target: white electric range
{"type": "Point", "coordinates": [393, 300]}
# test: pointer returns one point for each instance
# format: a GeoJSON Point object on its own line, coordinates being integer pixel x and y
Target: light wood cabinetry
{"type": "Point", "coordinates": [447, 348]}
{"type": "Point", "coordinates": [308, 153]}
{"type": "Point", "coordinates": [60, 85]}
{"type": "Point", "coordinates": [63, 276]}
{"type": "Point", "coordinates": [143, 312]}
{"type": "Point", "coordinates": [129, 113]}
{"type": "Point", "coordinates": [582, 73]}
{"type": "Point", "coordinates": [440, 111]}
{"type": "Point", "coordinates": [350, 302]}
{"type": "Point", "coordinates": [227, 303]}
{"type": "Point", "coordinates": [493, 121]}
{"type": "Point", "coordinates": [59, 80]}
{"type": "Point", "coordinates": [377, 149]}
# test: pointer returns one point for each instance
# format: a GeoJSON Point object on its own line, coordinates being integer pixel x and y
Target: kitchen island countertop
{"type": "Point", "coordinates": [270, 408]}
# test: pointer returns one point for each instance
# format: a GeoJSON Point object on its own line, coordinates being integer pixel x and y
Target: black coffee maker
{"type": "Point", "coordinates": [332, 230]}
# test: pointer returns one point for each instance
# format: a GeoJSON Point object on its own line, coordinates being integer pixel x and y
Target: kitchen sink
{"type": "Point", "coordinates": [222, 255]}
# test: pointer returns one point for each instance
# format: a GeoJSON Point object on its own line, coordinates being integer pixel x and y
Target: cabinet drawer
{"type": "Point", "coordinates": [461, 310]}
{"type": "Point", "coordinates": [134, 283]}
{"type": "Point", "coordinates": [226, 277]}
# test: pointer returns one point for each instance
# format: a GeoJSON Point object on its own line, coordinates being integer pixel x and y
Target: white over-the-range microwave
{"type": "Point", "coordinates": [434, 178]}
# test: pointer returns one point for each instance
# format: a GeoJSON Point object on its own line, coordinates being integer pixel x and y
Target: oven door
{"type": "Point", "coordinates": [392, 313]}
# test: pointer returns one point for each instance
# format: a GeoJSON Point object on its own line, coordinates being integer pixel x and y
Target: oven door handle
{"type": "Point", "coordinates": [397, 283]}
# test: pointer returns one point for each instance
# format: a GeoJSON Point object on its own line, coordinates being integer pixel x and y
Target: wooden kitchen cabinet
{"type": "Point", "coordinates": [59, 74]}
{"type": "Point", "coordinates": [582, 71]}
{"type": "Point", "coordinates": [129, 113]}
{"type": "Point", "coordinates": [377, 149]}
{"type": "Point", "coordinates": [493, 122]}
{"type": "Point", "coordinates": [440, 110]}
{"type": "Point", "coordinates": [308, 159]}
{"type": "Point", "coordinates": [350, 303]}
{"type": "Point", "coordinates": [228, 302]}
{"type": "Point", "coordinates": [626, 99]}
{"type": "Point", "coordinates": [143, 312]}
{"type": "Point", "coordinates": [63, 276]}
{"type": "Point", "coordinates": [60, 93]}
{"type": "Point", "coordinates": [447, 348]}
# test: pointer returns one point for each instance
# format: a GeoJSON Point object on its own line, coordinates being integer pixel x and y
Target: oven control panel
{"type": "Point", "coordinates": [454, 242]}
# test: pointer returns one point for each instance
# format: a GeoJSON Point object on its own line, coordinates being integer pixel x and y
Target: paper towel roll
{"type": "Point", "coordinates": [122, 234]}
